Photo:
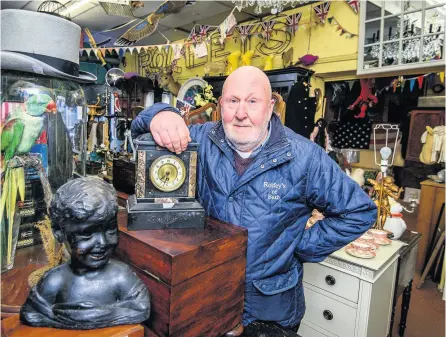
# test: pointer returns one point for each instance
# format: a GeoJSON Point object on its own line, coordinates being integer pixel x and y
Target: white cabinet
{"type": "Point", "coordinates": [350, 297]}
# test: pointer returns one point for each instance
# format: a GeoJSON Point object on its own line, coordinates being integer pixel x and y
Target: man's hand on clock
{"type": "Point", "coordinates": [169, 130]}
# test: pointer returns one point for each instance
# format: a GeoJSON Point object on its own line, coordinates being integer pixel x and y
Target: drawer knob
{"type": "Point", "coordinates": [330, 280]}
{"type": "Point", "coordinates": [328, 315]}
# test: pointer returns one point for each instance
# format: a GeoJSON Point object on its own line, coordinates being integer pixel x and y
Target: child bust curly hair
{"type": "Point", "coordinates": [91, 290]}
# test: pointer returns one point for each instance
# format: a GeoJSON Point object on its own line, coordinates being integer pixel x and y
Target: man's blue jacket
{"type": "Point", "coordinates": [273, 199]}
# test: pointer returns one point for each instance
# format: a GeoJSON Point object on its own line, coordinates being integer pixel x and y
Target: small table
{"type": "Point", "coordinates": [404, 277]}
{"type": "Point", "coordinates": [12, 327]}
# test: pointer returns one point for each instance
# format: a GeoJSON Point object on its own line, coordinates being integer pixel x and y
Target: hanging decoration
{"type": "Point", "coordinates": [177, 50]}
{"type": "Point", "coordinates": [227, 26]}
{"type": "Point", "coordinates": [193, 36]}
{"type": "Point", "coordinates": [332, 21]}
{"type": "Point", "coordinates": [203, 32]}
{"type": "Point", "coordinates": [292, 21]}
{"type": "Point", "coordinates": [322, 11]}
{"type": "Point", "coordinates": [354, 4]}
{"type": "Point", "coordinates": [401, 82]}
{"type": "Point", "coordinates": [441, 75]}
{"type": "Point", "coordinates": [267, 29]}
{"type": "Point", "coordinates": [420, 81]}
{"type": "Point", "coordinates": [244, 31]}
{"type": "Point", "coordinates": [412, 84]}
{"type": "Point", "coordinates": [201, 50]}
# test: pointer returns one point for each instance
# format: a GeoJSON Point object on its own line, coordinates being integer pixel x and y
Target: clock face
{"type": "Point", "coordinates": [167, 173]}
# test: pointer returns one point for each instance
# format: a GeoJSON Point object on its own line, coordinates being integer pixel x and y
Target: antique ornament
{"type": "Point", "coordinates": [165, 188]}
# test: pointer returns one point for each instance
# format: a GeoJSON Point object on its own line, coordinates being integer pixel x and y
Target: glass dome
{"type": "Point", "coordinates": [43, 141]}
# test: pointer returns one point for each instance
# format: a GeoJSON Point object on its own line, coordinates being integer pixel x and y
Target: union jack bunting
{"type": "Point", "coordinates": [322, 11]}
{"type": "Point", "coordinates": [193, 35]}
{"type": "Point", "coordinates": [203, 31]}
{"type": "Point", "coordinates": [293, 22]}
{"type": "Point", "coordinates": [267, 29]}
{"type": "Point", "coordinates": [244, 31]}
{"type": "Point", "coordinates": [354, 4]}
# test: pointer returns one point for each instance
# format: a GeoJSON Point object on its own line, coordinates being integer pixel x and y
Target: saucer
{"type": "Point", "coordinates": [383, 241]}
{"type": "Point", "coordinates": [371, 243]}
{"type": "Point", "coordinates": [359, 253]}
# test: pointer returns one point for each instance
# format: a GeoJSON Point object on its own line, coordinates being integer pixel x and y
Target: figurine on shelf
{"type": "Point", "coordinates": [395, 223]}
{"type": "Point", "coordinates": [268, 65]}
{"type": "Point", "coordinates": [90, 291]}
{"type": "Point", "coordinates": [382, 192]}
{"type": "Point", "coordinates": [233, 62]}
{"type": "Point", "coordinates": [167, 82]}
{"type": "Point", "coordinates": [247, 58]}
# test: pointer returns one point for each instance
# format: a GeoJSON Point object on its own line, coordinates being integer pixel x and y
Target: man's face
{"type": "Point", "coordinates": [246, 108]}
{"type": "Point", "coordinates": [91, 244]}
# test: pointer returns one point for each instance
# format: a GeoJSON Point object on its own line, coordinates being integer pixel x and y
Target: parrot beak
{"type": "Point", "coordinates": [51, 107]}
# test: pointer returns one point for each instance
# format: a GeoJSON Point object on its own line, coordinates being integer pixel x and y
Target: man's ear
{"type": "Point", "coordinates": [271, 107]}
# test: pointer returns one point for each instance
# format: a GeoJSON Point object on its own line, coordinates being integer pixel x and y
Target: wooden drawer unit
{"type": "Point", "coordinates": [329, 314]}
{"type": "Point", "coordinates": [332, 280]}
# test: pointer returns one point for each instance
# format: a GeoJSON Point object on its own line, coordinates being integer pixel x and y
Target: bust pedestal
{"type": "Point", "coordinates": [12, 327]}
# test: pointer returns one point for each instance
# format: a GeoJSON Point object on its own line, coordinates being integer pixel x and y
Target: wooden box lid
{"type": "Point", "coordinates": [176, 255]}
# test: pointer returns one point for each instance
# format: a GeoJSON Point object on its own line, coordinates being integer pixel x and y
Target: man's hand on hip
{"type": "Point", "coordinates": [169, 130]}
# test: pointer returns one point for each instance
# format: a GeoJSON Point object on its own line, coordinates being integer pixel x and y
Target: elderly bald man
{"type": "Point", "coordinates": [258, 174]}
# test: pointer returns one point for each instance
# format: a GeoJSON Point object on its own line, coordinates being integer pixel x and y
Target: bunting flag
{"type": "Point", "coordinates": [354, 4]}
{"type": "Point", "coordinates": [322, 11]}
{"type": "Point", "coordinates": [420, 81]}
{"type": "Point", "coordinates": [177, 51]}
{"type": "Point", "coordinates": [441, 76]}
{"type": "Point", "coordinates": [244, 31]}
{"type": "Point", "coordinates": [292, 21]}
{"type": "Point", "coordinates": [267, 29]}
{"type": "Point", "coordinates": [226, 27]}
{"type": "Point", "coordinates": [412, 84]}
{"type": "Point", "coordinates": [193, 36]}
{"type": "Point", "coordinates": [350, 84]}
{"type": "Point", "coordinates": [201, 50]}
{"type": "Point", "coordinates": [332, 21]}
{"type": "Point", "coordinates": [203, 32]}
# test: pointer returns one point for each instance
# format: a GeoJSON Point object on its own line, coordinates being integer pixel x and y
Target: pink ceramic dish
{"type": "Point", "coordinates": [370, 239]}
{"type": "Point", "coordinates": [381, 236]}
{"type": "Point", "coordinates": [362, 251]}
{"type": "Point", "coordinates": [378, 233]}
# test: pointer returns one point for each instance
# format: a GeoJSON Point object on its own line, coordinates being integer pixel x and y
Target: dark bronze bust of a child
{"type": "Point", "coordinates": [90, 291]}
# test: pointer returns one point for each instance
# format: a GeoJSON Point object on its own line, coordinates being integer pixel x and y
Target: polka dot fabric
{"type": "Point", "coordinates": [353, 135]}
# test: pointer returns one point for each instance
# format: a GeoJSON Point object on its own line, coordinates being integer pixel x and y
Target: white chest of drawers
{"type": "Point", "coordinates": [350, 297]}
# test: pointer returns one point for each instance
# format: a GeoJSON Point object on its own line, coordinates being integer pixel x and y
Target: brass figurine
{"type": "Point", "coordinates": [383, 190]}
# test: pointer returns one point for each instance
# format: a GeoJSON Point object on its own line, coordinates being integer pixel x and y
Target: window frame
{"type": "Point", "coordinates": [399, 67]}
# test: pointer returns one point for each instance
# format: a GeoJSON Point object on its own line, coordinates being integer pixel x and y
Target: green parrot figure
{"type": "Point", "coordinates": [22, 128]}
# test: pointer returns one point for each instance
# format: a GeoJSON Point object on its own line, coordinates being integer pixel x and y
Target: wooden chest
{"type": "Point", "coordinates": [195, 276]}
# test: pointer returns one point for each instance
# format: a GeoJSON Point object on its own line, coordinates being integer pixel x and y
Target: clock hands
{"type": "Point", "coordinates": [166, 177]}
